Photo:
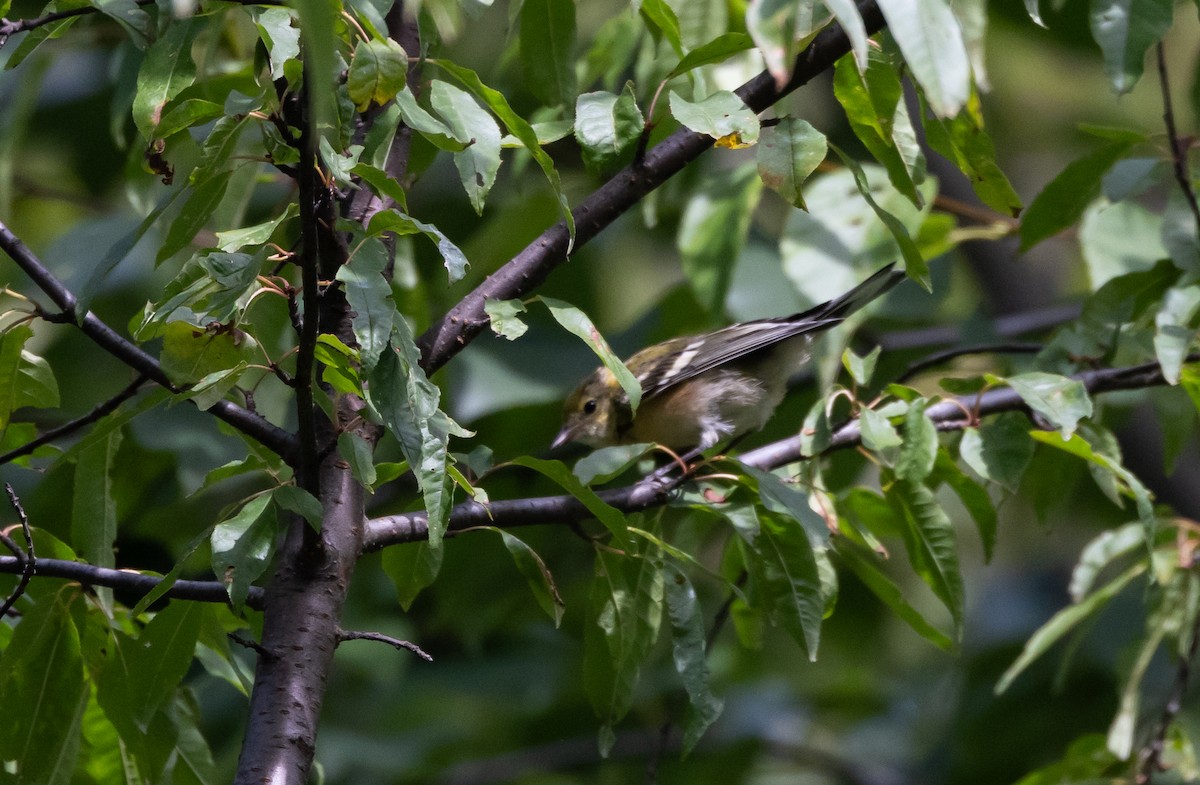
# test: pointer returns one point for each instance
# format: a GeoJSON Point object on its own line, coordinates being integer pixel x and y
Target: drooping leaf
{"type": "Point", "coordinates": [577, 323]}
{"type": "Point", "coordinates": [1064, 622]}
{"type": "Point", "coordinates": [919, 448]}
{"type": "Point", "coordinates": [453, 258]}
{"type": "Point", "coordinates": [932, 43]}
{"type": "Point", "coordinates": [370, 298]}
{"type": "Point", "coordinates": [1125, 29]}
{"type": "Point", "coordinates": [537, 575]}
{"type": "Point", "coordinates": [964, 140]}
{"type": "Point", "coordinates": [612, 518]}
{"type": "Point", "coordinates": [242, 546]}
{"type": "Point", "coordinates": [931, 544]}
{"type": "Point", "coordinates": [787, 154]}
{"type": "Point", "coordinates": [167, 70]}
{"type": "Point", "coordinates": [378, 71]}
{"type": "Point", "coordinates": [688, 649]}
{"type": "Point", "coordinates": [411, 569]}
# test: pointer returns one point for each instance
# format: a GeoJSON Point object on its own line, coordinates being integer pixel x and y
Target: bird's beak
{"type": "Point", "coordinates": [565, 436]}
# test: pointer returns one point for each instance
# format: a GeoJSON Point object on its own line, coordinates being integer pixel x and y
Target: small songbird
{"type": "Point", "coordinates": [701, 389]}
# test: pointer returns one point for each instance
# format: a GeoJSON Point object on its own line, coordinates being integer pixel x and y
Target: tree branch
{"type": "Point", "coordinates": [529, 268]}
{"type": "Point", "coordinates": [108, 407]}
{"type": "Point", "coordinates": [25, 557]}
{"type": "Point", "coordinates": [135, 583]}
{"type": "Point", "coordinates": [250, 423]}
{"type": "Point", "coordinates": [379, 637]}
{"type": "Point", "coordinates": [656, 489]}
{"type": "Point", "coordinates": [1178, 148]}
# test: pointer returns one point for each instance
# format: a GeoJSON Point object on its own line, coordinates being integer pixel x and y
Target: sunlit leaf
{"type": "Point", "coordinates": [787, 154]}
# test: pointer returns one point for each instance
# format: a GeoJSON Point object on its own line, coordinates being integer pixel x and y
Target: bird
{"type": "Point", "coordinates": [702, 389]}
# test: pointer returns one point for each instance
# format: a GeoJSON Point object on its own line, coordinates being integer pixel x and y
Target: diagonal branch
{"type": "Point", "coordinates": [529, 268]}
{"type": "Point", "coordinates": [656, 490]}
{"type": "Point", "coordinates": [67, 428]}
{"type": "Point", "coordinates": [250, 423]}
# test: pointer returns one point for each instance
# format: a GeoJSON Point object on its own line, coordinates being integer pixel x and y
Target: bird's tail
{"type": "Point", "coordinates": [841, 307]}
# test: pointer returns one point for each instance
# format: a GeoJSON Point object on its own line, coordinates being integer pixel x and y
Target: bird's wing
{"type": "Point", "coordinates": [693, 356]}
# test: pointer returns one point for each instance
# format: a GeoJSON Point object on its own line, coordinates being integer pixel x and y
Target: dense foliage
{"type": "Point", "coordinates": [295, 290]}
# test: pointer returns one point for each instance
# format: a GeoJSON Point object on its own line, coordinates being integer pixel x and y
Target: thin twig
{"type": "Point", "coordinates": [27, 557]}
{"type": "Point", "coordinates": [1150, 756]}
{"type": "Point", "coordinates": [938, 358]}
{"type": "Point", "coordinates": [79, 422]}
{"type": "Point", "coordinates": [1178, 150]}
{"type": "Point", "coordinates": [253, 645]}
{"type": "Point", "coordinates": [355, 635]}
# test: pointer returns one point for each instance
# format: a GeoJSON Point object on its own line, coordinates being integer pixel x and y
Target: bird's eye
{"type": "Point", "coordinates": [590, 406]}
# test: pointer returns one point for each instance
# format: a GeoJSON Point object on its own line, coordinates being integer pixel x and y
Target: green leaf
{"type": "Point", "coordinates": [412, 567]}
{"type": "Point", "coordinates": [318, 21]}
{"type": "Point", "coordinates": [295, 499]}
{"type": "Point", "coordinates": [43, 692]}
{"type": "Point", "coordinates": [236, 239]}
{"type": "Point", "coordinates": [190, 354]}
{"type": "Point", "coordinates": [688, 650]}
{"type": "Point", "coordinates": [369, 296]}
{"type": "Point", "coordinates": [816, 434]}
{"type": "Point", "coordinates": [861, 368]}
{"type": "Point", "coordinates": [548, 49]}
{"type": "Point", "coordinates": [930, 541]}
{"type": "Point", "coordinates": [1062, 401]}
{"type": "Point", "coordinates": [1125, 29]}
{"type": "Point", "coordinates": [185, 114]}
{"type": "Point", "coordinates": [453, 258]}
{"type": "Point", "coordinates": [878, 433]}
{"type": "Point", "coordinates": [777, 29]}
{"type": "Point", "coordinates": [130, 16]}
{"type": "Point", "coordinates": [378, 71]}
{"type": "Point", "coordinates": [973, 497]}
{"type": "Point", "coordinates": [914, 264]}
{"type": "Point", "coordinates": [863, 565]}
{"type": "Point", "coordinates": [161, 657]}
{"type": "Point", "coordinates": [932, 44]}
{"type": "Point", "coordinates": [722, 115]}
{"type": "Point", "coordinates": [606, 463]}
{"type": "Point", "coordinates": [443, 136]}
{"type": "Point", "coordinates": [578, 324]}
{"type": "Point", "coordinates": [93, 508]}
{"type": "Point", "coordinates": [355, 451]}
{"type": "Point", "coordinates": [408, 404]}
{"type": "Point", "coordinates": [12, 342]}
{"type": "Point", "coordinates": [626, 614]}
{"type": "Point", "coordinates": [381, 183]}
{"type": "Point", "coordinates": [282, 38]}
{"type": "Point", "coordinates": [537, 575]}
{"type": "Point", "coordinates": [504, 318]}
{"type": "Point", "coordinates": [517, 126]}
{"type": "Point", "coordinates": [242, 547]}
{"type": "Point", "coordinates": [1064, 621]}
{"type": "Point", "coordinates": [785, 580]}
{"type": "Point", "coordinates": [607, 126]}
{"type": "Point", "coordinates": [1078, 447]}
{"type": "Point", "coordinates": [661, 19]}
{"type": "Point", "coordinates": [999, 450]}
{"type": "Point", "coordinates": [167, 70]}
{"type": "Point", "coordinates": [612, 518]}
{"type": "Point", "coordinates": [783, 498]}
{"type": "Point", "coordinates": [1175, 329]}
{"type": "Point", "coordinates": [787, 154]}
{"type": "Point", "coordinates": [1100, 553]}
{"type": "Point", "coordinates": [878, 117]}
{"type": "Point", "coordinates": [717, 50]}
{"type": "Point", "coordinates": [1063, 200]}
{"type": "Point", "coordinates": [713, 231]}
{"type": "Point", "coordinates": [964, 140]}
{"type": "Point", "coordinates": [919, 449]}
